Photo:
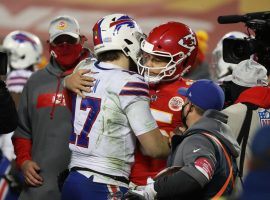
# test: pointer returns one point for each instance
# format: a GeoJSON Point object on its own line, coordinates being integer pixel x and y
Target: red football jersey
{"type": "Point", "coordinates": [166, 107]}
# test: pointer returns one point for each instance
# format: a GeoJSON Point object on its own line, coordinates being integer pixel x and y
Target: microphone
{"type": "Point", "coordinates": [230, 19]}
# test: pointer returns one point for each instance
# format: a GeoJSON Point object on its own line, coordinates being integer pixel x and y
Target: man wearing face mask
{"type": "Point", "coordinates": [42, 137]}
{"type": "Point", "coordinates": [201, 162]}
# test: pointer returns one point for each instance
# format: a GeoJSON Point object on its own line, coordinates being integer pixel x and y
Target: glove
{"type": "Point", "coordinates": [148, 193]}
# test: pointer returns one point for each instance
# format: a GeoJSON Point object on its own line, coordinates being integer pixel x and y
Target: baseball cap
{"type": "Point", "coordinates": [64, 25]}
{"type": "Point", "coordinates": [260, 144]}
{"type": "Point", "coordinates": [205, 94]}
{"type": "Point", "coordinates": [249, 73]}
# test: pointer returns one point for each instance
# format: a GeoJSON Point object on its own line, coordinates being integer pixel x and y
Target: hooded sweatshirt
{"type": "Point", "coordinates": [43, 131]}
{"type": "Point", "coordinates": [194, 149]}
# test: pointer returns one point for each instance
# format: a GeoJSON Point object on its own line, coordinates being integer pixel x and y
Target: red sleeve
{"type": "Point", "coordinates": [22, 148]}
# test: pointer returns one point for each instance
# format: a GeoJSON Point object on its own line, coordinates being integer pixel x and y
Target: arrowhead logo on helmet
{"type": "Point", "coordinates": [174, 41]}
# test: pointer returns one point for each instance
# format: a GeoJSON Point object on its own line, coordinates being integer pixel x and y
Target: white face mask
{"type": "Point", "coordinates": [166, 71]}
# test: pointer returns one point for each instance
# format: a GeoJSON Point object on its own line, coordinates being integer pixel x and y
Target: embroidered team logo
{"type": "Point", "coordinates": [176, 103]}
{"type": "Point", "coordinates": [62, 25]}
{"type": "Point", "coordinates": [59, 99]}
{"type": "Point", "coordinates": [264, 116]}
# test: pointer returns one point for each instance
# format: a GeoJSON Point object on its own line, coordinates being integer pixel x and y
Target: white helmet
{"type": "Point", "coordinates": [117, 32]}
{"type": "Point", "coordinates": [26, 49]}
{"type": "Point", "coordinates": [220, 68]}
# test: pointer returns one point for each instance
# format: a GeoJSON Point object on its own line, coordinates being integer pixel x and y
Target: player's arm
{"type": "Point", "coordinates": [134, 100]}
{"type": "Point", "coordinates": [22, 142]}
{"type": "Point", "coordinates": [154, 144]}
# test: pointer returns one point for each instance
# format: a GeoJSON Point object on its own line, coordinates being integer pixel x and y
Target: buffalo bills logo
{"type": "Point", "coordinates": [124, 20]}
{"type": "Point", "coordinates": [21, 38]}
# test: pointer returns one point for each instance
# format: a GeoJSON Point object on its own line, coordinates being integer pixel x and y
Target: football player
{"type": "Point", "coordinates": [168, 52]}
{"type": "Point", "coordinates": [25, 53]}
{"type": "Point", "coordinates": [110, 118]}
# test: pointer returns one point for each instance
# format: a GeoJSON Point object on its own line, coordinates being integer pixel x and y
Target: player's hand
{"type": "Point", "coordinates": [78, 82]}
{"type": "Point", "coordinates": [30, 171]}
{"type": "Point", "coordinates": [147, 193]}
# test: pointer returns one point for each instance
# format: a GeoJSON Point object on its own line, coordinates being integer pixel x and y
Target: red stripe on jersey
{"type": "Point", "coordinates": [113, 189]}
{"type": "Point", "coordinates": [3, 188]}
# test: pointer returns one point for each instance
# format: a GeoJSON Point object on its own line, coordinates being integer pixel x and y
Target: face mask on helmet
{"type": "Point", "coordinates": [25, 49]}
{"type": "Point", "coordinates": [117, 32]}
{"type": "Point", "coordinates": [175, 41]}
{"type": "Point", "coordinates": [163, 65]}
{"type": "Point", "coordinates": [66, 51]}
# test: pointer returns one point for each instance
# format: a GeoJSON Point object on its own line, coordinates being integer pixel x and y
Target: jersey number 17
{"type": "Point", "coordinates": [82, 139]}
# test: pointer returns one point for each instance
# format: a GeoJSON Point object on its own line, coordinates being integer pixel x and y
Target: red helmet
{"type": "Point", "coordinates": [175, 41]}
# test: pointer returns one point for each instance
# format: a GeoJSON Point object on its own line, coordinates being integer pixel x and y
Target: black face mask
{"type": "Point", "coordinates": [183, 117]}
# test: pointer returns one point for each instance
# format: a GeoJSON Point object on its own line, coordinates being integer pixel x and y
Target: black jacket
{"type": "Point", "coordinates": [8, 112]}
{"type": "Point", "coordinates": [189, 182]}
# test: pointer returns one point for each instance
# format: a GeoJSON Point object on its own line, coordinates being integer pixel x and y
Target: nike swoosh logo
{"type": "Point", "coordinates": [195, 150]}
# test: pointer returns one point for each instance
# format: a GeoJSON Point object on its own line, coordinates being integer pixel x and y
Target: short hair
{"type": "Point", "coordinates": [115, 55]}
{"type": "Point", "coordinates": [109, 55]}
{"type": "Point", "coordinates": [199, 110]}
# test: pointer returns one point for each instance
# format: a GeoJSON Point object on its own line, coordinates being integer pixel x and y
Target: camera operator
{"type": "Point", "coordinates": [8, 113]}
{"type": "Point", "coordinates": [250, 94]}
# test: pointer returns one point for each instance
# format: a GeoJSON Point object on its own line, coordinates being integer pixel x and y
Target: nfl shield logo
{"type": "Point", "coordinates": [264, 116]}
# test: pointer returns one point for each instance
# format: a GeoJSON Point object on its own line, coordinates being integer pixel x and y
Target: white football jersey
{"type": "Point", "coordinates": [108, 120]}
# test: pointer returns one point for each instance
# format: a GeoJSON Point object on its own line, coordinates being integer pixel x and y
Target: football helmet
{"type": "Point", "coordinates": [117, 32]}
{"type": "Point", "coordinates": [25, 48]}
{"type": "Point", "coordinates": [218, 67]}
{"type": "Point", "coordinates": [175, 41]}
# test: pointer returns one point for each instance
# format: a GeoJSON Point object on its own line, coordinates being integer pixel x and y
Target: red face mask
{"type": "Point", "coordinates": [67, 55]}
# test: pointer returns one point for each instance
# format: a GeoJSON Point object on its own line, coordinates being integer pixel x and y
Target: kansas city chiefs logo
{"type": "Point", "coordinates": [189, 41]}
